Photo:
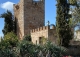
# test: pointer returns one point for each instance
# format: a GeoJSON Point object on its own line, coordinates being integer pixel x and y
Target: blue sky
{"type": "Point", "coordinates": [50, 11]}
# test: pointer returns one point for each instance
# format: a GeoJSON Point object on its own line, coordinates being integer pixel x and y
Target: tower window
{"type": "Point", "coordinates": [37, 0]}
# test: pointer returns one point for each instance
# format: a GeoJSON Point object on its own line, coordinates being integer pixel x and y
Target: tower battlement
{"type": "Point", "coordinates": [42, 29]}
{"type": "Point", "coordinates": [39, 29]}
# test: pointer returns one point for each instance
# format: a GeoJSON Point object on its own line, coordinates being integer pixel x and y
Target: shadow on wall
{"type": "Point", "coordinates": [17, 29]}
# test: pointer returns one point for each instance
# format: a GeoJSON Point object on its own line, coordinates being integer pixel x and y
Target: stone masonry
{"type": "Point", "coordinates": [46, 32]}
{"type": "Point", "coordinates": [29, 14]}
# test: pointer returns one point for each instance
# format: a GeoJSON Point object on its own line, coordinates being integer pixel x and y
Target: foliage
{"type": "Point", "coordinates": [26, 48]}
{"type": "Point", "coordinates": [6, 53]}
{"type": "Point", "coordinates": [72, 2]}
{"type": "Point", "coordinates": [27, 38]}
{"type": "Point", "coordinates": [54, 50]}
{"type": "Point", "coordinates": [8, 19]}
{"type": "Point", "coordinates": [76, 15]}
{"type": "Point", "coordinates": [29, 49]}
{"type": "Point", "coordinates": [43, 40]}
{"type": "Point", "coordinates": [11, 38]}
{"type": "Point", "coordinates": [7, 45]}
{"type": "Point", "coordinates": [64, 32]}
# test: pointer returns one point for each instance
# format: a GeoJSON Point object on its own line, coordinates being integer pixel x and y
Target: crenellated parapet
{"type": "Point", "coordinates": [39, 29]}
{"type": "Point", "coordinates": [42, 29]}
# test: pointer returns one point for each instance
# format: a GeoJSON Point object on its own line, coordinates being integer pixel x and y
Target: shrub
{"type": "Point", "coordinates": [11, 38]}
{"type": "Point", "coordinates": [27, 38]}
{"type": "Point", "coordinates": [7, 45]}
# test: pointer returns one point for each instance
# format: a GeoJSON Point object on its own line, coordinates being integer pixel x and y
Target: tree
{"type": "Point", "coordinates": [8, 45]}
{"type": "Point", "coordinates": [27, 38]}
{"type": "Point", "coordinates": [11, 38]}
{"type": "Point", "coordinates": [76, 15]}
{"type": "Point", "coordinates": [8, 19]}
{"type": "Point", "coordinates": [64, 32]}
{"type": "Point", "coordinates": [72, 2]}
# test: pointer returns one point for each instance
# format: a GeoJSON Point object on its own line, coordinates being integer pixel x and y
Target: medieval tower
{"type": "Point", "coordinates": [29, 14]}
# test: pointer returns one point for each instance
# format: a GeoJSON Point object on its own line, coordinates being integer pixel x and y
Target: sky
{"type": "Point", "coordinates": [50, 11]}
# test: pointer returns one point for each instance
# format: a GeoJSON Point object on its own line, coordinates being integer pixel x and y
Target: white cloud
{"type": "Point", "coordinates": [7, 5]}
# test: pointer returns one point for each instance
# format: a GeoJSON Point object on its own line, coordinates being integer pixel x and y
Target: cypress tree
{"type": "Point", "coordinates": [8, 19]}
{"type": "Point", "coordinates": [64, 33]}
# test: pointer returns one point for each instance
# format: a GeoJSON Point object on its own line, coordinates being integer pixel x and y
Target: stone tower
{"type": "Point", "coordinates": [29, 14]}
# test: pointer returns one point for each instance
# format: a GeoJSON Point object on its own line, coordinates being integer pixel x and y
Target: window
{"type": "Point", "coordinates": [37, 0]}
{"type": "Point", "coordinates": [40, 40]}
{"type": "Point", "coordinates": [36, 42]}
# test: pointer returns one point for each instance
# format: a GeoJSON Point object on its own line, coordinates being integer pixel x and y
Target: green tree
{"type": "Point", "coordinates": [64, 32]}
{"type": "Point", "coordinates": [27, 38]}
{"type": "Point", "coordinates": [11, 38]}
{"type": "Point", "coordinates": [8, 19]}
{"type": "Point", "coordinates": [76, 15]}
{"type": "Point", "coordinates": [7, 45]}
{"type": "Point", "coordinates": [72, 2]}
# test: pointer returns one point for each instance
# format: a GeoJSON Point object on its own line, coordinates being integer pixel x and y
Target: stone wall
{"type": "Point", "coordinates": [28, 15]}
{"type": "Point", "coordinates": [19, 18]}
{"type": "Point", "coordinates": [39, 32]}
{"type": "Point", "coordinates": [34, 13]}
{"type": "Point", "coordinates": [45, 32]}
{"type": "Point", "coordinates": [52, 35]}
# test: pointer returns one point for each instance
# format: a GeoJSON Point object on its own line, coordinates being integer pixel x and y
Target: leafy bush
{"type": "Point", "coordinates": [53, 49]}
{"type": "Point", "coordinates": [9, 48]}
{"type": "Point", "coordinates": [29, 49]}
{"type": "Point", "coordinates": [27, 38]}
{"type": "Point", "coordinates": [11, 38]}
{"type": "Point", "coordinates": [7, 44]}
{"type": "Point", "coordinates": [26, 48]}
{"type": "Point", "coordinates": [7, 53]}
